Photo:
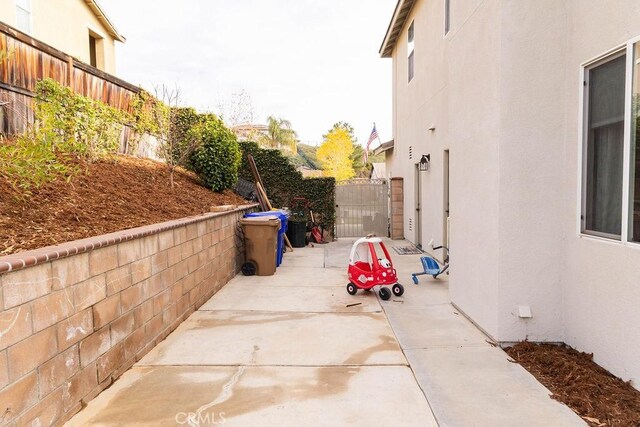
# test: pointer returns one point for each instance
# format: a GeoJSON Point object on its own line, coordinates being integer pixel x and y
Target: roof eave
{"type": "Point", "coordinates": [384, 147]}
{"type": "Point", "coordinates": [398, 20]}
{"type": "Point", "coordinates": [104, 20]}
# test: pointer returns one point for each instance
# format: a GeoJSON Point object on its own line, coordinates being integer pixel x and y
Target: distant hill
{"type": "Point", "coordinates": [306, 157]}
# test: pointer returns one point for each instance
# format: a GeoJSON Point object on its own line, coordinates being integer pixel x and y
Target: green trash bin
{"type": "Point", "coordinates": [297, 233]}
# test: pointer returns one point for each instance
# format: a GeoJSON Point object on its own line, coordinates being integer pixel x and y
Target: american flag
{"type": "Point", "coordinates": [372, 137]}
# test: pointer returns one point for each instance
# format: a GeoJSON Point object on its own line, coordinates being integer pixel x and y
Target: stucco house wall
{"type": "Point", "coordinates": [532, 134]}
{"type": "Point", "coordinates": [467, 125]}
{"type": "Point", "coordinates": [66, 25]}
{"type": "Point", "coordinates": [601, 278]}
{"type": "Point", "coordinates": [8, 11]}
{"type": "Point", "coordinates": [503, 91]}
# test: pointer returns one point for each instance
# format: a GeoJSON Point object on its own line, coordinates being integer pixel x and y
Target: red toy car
{"type": "Point", "coordinates": [369, 267]}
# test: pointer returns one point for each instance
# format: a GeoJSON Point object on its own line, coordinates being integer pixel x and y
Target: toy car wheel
{"type": "Point", "coordinates": [415, 280]}
{"type": "Point", "coordinates": [398, 289]}
{"type": "Point", "coordinates": [351, 288]}
{"type": "Point", "coordinates": [249, 268]}
{"type": "Point", "coordinates": [384, 293]}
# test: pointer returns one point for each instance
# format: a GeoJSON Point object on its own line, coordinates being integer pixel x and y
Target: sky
{"type": "Point", "coordinates": [312, 62]}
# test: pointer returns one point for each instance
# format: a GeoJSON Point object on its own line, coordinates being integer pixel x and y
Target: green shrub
{"type": "Point", "coordinates": [68, 127]}
{"type": "Point", "coordinates": [283, 182]}
{"type": "Point", "coordinates": [183, 120]}
{"type": "Point", "coordinates": [217, 157]}
{"type": "Point", "coordinates": [75, 124]}
{"type": "Point", "coordinates": [30, 161]}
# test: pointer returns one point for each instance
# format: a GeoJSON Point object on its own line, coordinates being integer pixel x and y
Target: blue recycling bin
{"type": "Point", "coordinates": [284, 217]}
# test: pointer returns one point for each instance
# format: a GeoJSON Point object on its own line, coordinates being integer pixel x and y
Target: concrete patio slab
{"type": "Point", "coordinates": [243, 396]}
{"type": "Point", "coordinates": [296, 276]}
{"type": "Point", "coordinates": [285, 350]}
{"type": "Point", "coordinates": [268, 338]}
{"type": "Point", "coordinates": [423, 295]}
{"type": "Point", "coordinates": [478, 386]}
{"type": "Point", "coordinates": [432, 326]}
{"type": "Point", "coordinates": [307, 257]}
{"type": "Point", "coordinates": [337, 254]}
{"type": "Point", "coordinates": [318, 299]}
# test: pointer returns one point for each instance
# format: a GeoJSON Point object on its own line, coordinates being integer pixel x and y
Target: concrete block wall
{"type": "Point", "coordinates": [75, 317]}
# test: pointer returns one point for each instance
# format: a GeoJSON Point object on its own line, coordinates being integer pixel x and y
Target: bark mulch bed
{"type": "Point", "coordinates": [115, 195]}
{"type": "Point", "coordinates": [600, 398]}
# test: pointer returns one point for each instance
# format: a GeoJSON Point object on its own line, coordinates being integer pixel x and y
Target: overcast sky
{"type": "Point", "coordinates": [313, 62]}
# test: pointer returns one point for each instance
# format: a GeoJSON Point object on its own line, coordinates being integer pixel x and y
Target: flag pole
{"type": "Point", "coordinates": [365, 158]}
{"type": "Point", "coordinates": [379, 141]}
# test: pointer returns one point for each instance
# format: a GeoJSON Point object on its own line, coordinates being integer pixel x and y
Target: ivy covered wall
{"type": "Point", "coordinates": [283, 182]}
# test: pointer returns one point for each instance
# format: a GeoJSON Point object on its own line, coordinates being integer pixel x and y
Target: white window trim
{"type": "Point", "coordinates": [627, 49]}
{"type": "Point", "coordinates": [30, 12]}
{"type": "Point", "coordinates": [98, 33]}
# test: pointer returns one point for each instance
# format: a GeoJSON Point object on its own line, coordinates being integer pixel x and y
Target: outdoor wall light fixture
{"type": "Point", "coordinates": [424, 162]}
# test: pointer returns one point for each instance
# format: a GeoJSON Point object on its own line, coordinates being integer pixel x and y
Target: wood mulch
{"type": "Point", "coordinates": [114, 195]}
{"type": "Point", "coordinates": [600, 398]}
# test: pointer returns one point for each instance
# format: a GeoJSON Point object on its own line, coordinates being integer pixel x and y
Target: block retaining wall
{"type": "Point", "coordinates": [75, 317]}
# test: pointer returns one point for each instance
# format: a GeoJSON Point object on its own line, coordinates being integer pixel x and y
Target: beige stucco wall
{"type": "Point", "coordinates": [532, 134]}
{"type": "Point", "coordinates": [8, 11]}
{"type": "Point", "coordinates": [65, 25]}
{"type": "Point", "coordinates": [601, 280]}
{"type": "Point", "coordinates": [503, 91]}
{"type": "Point", "coordinates": [465, 123]}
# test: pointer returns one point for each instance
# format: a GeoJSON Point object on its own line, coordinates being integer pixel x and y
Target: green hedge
{"type": "Point", "coordinates": [217, 157]}
{"type": "Point", "coordinates": [283, 182]}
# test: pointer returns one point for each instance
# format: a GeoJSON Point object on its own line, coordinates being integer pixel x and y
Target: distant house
{"type": "Point", "coordinates": [249, 131]}
{"type": "Point", "coordinates": [378, 170]}
{"type": "Point", "coordinates": [79, 28]}
{"type": "Point", "coordinates": [517, 139]}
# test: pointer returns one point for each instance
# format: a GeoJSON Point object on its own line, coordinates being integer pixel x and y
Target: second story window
{"type": "Point", "coordinates": [93, 57]}
{"type": "Point", "coordinates": [96, 50]}
{"type": "Point", "coordinates": [410, 51]}
{"type": "Point", "coordinates": [23, 15]}
{"type": "Point", "coordinates": [447, 16]}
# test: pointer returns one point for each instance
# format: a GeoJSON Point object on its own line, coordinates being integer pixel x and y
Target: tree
{"type": "Point", "coordinates": [345, 126]}
{"type": "Point", "coordinates": [175, 142]}
{"type": "Point", "coordinates": [280, 135]}
{"type": "Point", "coordinates": [335, 153]}
{"type": "Point", "coordinates": [361, 170]}
{"type": "Point", "coordinates": [237, 110]}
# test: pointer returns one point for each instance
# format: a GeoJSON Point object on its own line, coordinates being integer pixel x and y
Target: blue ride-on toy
{"type": "Point", "coordinates": [431, 266]}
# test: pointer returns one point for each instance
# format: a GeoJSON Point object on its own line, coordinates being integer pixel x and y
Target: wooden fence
{"type": "Point", "coordinates": [27, 60]}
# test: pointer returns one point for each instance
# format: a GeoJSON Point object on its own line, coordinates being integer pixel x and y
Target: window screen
{"type": "Point", "coordinates": [604, 148]}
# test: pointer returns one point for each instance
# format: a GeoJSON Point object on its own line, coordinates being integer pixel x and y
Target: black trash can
{"type": "Point", "coordinates": [297, 233]}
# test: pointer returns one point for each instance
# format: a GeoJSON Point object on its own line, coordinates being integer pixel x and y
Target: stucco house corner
{"type": "Point", "coordinates": [90, 36]}
{"type": "Point", "coordinates": [527, 113]}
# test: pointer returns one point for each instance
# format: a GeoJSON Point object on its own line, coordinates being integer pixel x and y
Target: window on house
{"type": "Point", "coordinates": [604, 133]}
{"type": "Point", "coordinates": [447, 16]}
{"type": "Point", "coordinates": [410, 51]}
{"type": "Point", "coordinates": [93, 57]}
{"type": "Point", "coordinates": [96, 50]}
{"type": "Point", "coordinates": [634, 187]}
{"type": "Point", "coordinates": [23, 15]}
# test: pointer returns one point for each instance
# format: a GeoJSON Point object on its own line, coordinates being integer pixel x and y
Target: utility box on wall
{"type": "Point", "coordinates": [397, 208]}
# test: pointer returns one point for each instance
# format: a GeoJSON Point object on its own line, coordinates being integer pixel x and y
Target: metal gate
{"type": "Point", "coordinates": [362, 207]}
